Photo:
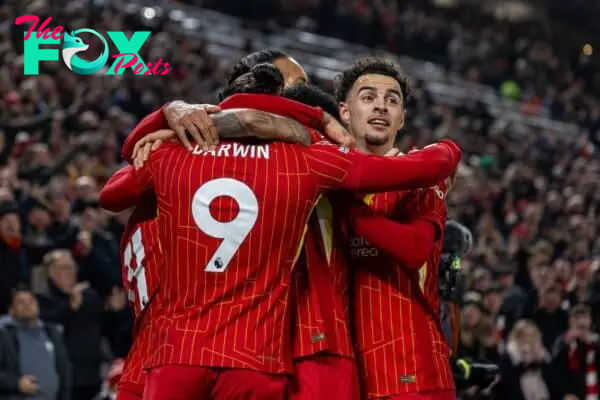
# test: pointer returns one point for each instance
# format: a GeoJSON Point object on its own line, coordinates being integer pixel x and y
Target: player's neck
{"type": "Point", "coordinates": [378, 149]}
{"type": "Point", "coordinates": [370, 148]}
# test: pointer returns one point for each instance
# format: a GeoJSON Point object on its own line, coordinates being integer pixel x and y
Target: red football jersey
{"type": "Point", "coordinates": [142, 261]}
{"type": "Point", "coordinates": [231, 224]}
{"type": "Point", "coordinates": [321, 291]}
{"type": "Point", "coordinates": [401, 347]}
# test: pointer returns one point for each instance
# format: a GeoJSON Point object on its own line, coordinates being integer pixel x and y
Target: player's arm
{"type": "Point", "coordinates": [240, 123]}
{"type": "Point", "coordinates": [341, 169]}
{"type": "Point", "coordinates": [410, 243]}
{"type": "Point", "coordinates": [151, 123]}
{"type": "Point", "coordinates": [127, 188]}
{"type": "Point", "coordinates": [183, 117]}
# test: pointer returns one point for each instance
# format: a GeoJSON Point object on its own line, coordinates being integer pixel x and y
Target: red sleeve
{"type": "Point", "coordinates": [126, 188]}
{"type": "Point", "coordinates": [409, 243]}
{"type": "Point", "coordinates": [306, 115]}
{"type": "Point", "coordinates": [151, 123]}
{"type": "Point", "coordinates": [339, 168]}
{"type": "Point", "coordinates": [429, 205]}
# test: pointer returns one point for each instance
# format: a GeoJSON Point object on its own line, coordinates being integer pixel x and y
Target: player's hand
{"type": "Point", "coordinates": [28, 384]}
{"type": "Point", "coordinates": [77, 295]}
{"type": "Point", "coordinates": [193, 119]}
{"type": "Point", "coordinates": [149, 143]}
{"type": "Point", "coordinates": [335, 132]}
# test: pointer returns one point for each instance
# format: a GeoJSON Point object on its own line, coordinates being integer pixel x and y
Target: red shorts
{"type": "Point", "coordinates": [185, 382]}
{"type": "Point", "coordinates": [123, 394]}
{"type": "Point", "coordinates": [325, 377]}
{"type": "Point", "coordinates": [437, 395]}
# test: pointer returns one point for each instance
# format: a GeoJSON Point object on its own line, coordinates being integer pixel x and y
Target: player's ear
{"type": "Point", "coordinates": [344, 113]}
{"type": "Point", "coordinates": [403, 119]}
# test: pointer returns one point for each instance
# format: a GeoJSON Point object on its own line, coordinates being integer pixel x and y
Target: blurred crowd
{"type": "Point", "coordinates": [531, 197]}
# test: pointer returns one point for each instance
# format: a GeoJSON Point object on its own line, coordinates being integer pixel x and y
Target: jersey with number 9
{"type": "Point", "coordinates": [231, 225]}
{"type": "Point", "coordinates": [142, 265]}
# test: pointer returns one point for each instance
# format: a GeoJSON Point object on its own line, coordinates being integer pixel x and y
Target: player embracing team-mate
{"type": "Point", "coordinates": [233, 312]}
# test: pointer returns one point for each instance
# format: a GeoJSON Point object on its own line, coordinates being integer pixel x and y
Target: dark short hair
{"type": "Point", "coordinates": [370, 65]}
{"type": "Point", "coordinates": [20, 288]}
{"type": "Point", "coordinates": [313, 96]}
{"type": "Point", "coordinates": [262, 78]}
{"type": "Point", "coordinates": [246, 63]}
{"type": "Point", "coordinates": [580, 310]}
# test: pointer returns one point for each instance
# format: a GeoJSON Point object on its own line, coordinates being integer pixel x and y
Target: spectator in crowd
{"type": "Point", "coordinates": [550, 318]}
{"type": "Point", "coordinates": [33, 359]}
{"type": "Point", "coordinates": [76, 307]}
{"type": "Point", "coordinates": [476, 339]}
{"type": "Point", "coordinates": [526, 371]}
{"type": "Point", "coordinates": [13, 258]}
{"type": "Point", "coordinates": [577, 356]}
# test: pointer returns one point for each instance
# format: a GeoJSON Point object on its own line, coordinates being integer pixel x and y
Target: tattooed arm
{"type": "Point", "coordinates": [238, 123]}
{"type": "Point", "coordinates": [233, 123]}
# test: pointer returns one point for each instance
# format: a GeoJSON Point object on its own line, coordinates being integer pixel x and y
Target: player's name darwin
{"type": "Point", "coordinates": [236, 150]}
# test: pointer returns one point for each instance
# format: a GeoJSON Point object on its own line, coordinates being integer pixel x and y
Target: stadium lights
{"type": "Point", "coordinates": [177, 15]}
{"type": "Point", "coordinates": [149, 12]}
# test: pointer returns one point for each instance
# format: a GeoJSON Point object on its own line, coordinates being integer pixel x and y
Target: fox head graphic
{"type": "Point", "coordinates": [73, 45]}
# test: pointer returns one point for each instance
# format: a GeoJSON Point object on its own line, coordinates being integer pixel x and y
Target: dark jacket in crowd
{"type": "Point", "coordinates": [552, 324]}
{"type": "Point", "coordinates": [511, 374]}
{"type": "Point", "coordinates": [570, 363]}
{"type": "Point", "coordinates": [82, 331]}
{"type": "Point", "coordinates": [13, 270]}
{"type": "Point", "coordinates": [10, 368]}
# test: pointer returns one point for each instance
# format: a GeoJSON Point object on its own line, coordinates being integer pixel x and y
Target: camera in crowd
{"type": "Point", "coordinates": [473, 373]}
{"type": "Point", "coordinates": [458, 241]}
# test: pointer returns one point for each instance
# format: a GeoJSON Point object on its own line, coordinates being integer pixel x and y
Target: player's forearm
{"type": "Point", "coordinates": [419, 169]}
{"type": "Point", "coordinates": [240, 123]}
{"type": "Point", "coordinates": [151, 123]}
{"type": "Point", "coordinates": [122, 191]}
{"type": "Point", "coordinates": [306, 115]}
{"type": "Point", "coordinates": [410, 244]}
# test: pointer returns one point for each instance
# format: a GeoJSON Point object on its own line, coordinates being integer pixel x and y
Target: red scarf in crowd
{"type": "Point", "coordinates": [591, 375]}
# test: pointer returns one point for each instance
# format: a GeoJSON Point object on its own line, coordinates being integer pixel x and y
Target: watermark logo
{"type": "Point", "coordinates": [128, 56]}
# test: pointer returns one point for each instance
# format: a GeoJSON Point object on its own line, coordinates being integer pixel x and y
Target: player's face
{"type": "Point", "coordinates": [292, 72]}
{"type": "Point", "coordinates": [374, 109]}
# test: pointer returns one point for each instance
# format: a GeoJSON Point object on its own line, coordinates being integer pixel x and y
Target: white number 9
{"type": "Point", "coordinates": [233, 232]}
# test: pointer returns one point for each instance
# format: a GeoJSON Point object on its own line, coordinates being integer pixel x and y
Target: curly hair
{"type": "Point", "coordinates": [370, 65]}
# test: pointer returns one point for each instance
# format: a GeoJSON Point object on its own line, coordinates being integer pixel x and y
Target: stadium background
{"type": "Point", "coordinates": [514, 83]}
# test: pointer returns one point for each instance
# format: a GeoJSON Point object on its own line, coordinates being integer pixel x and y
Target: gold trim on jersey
{"type": "Point", "coordinates": [369, 199]}
{"type": "Point", "coordinates": [422, 276]}
{"type": "Point", "coordinates": [324, 212]}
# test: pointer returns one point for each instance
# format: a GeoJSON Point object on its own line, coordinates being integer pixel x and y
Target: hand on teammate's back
{"type": "Point", "coordinates": [149, 143]}
{"type": "Point", "coordinates": [194, 120]}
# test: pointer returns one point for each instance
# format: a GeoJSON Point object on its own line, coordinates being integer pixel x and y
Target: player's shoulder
{"type": "Point", "coordinates": [328, 146]}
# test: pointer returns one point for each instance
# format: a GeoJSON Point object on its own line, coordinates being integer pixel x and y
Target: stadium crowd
{"type": "Point", "coordinates": [531, 197]}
